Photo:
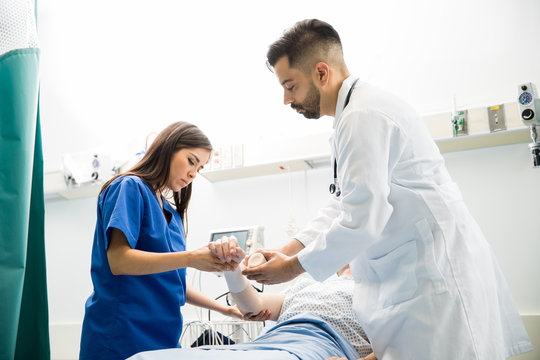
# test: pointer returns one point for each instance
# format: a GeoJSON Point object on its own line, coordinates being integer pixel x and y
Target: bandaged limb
{"type": "Point", "coordinates": [248, 299]}
{"type": "Point", "coordinates": [256, 260]}
{"type": "Point", "coordinates": [235, 280]}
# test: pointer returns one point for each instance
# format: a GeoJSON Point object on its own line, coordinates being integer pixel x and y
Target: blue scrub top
{"type": "Point", "coordinates": [127, 314]}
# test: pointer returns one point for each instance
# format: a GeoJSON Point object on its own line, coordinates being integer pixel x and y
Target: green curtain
{"type": "Point", "coordinates": [24, 324]}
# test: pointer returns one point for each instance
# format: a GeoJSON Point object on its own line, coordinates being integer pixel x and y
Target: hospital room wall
{"type": "Point", "coordinates": [107, 82]}
{"type": "Point", "coordinates": [100, 85]}
{"type": "Point", "coordinates": [498, 184]}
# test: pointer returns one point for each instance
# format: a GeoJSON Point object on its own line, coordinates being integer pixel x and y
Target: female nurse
{"type": "Point", "coordinates": [139, 252]}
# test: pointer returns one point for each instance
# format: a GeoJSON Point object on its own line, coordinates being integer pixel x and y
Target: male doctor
{"type": "Point", "coordinates": [427, 283]}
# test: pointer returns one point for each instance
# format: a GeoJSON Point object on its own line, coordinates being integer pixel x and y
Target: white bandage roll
{"type": "Point", "coordinates": [235, 280]}
{"type": "Point", "coordinates": [256, 260]}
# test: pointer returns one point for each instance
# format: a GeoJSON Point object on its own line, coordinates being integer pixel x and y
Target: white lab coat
{"type": "Point", "coordinates": [427, 283]}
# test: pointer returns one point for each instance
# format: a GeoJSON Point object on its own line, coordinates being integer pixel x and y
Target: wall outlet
{"type": "Point", "coordinates": [497, 119]}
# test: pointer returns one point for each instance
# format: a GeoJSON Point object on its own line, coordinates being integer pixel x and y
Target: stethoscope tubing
{"type": "Point", "coordinates": [334, 187]}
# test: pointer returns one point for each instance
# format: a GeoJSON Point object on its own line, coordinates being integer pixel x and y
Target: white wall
{"type": "Point", "coordinates": [498, 184]}
{"type": "Point", "coordinates": [114, 71]}
{"type": "Point", "coordinates": [501, 190]}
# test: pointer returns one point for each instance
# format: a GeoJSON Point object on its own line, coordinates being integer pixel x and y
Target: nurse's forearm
{"type": "Point", "coordinates": [123, 260]}
{"type": "Point", "coordinates": [137, 262]}
{"type": "Point", "coordinates": [292, 247]}
{"type": "Point", "coordinates": [196, 298]}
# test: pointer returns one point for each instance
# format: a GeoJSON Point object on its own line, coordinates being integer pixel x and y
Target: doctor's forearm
{"type": "Point", "coordinates": [292, 247]}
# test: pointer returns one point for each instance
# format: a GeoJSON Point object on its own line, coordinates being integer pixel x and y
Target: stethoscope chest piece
{"type": "Point", "coordinates": [334, 189]}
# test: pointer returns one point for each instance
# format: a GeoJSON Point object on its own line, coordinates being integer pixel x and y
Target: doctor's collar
{"type": "Point", "coordinates": [342, 95]}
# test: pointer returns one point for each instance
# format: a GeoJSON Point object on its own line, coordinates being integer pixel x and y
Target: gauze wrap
{"type": "Point", "coordinates": [235, 280]}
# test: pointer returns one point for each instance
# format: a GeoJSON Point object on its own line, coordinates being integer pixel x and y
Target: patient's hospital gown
{"type": "Point", "coordinates": [316, 322]}
{"type": "Point", "coordinates": [332, 300]}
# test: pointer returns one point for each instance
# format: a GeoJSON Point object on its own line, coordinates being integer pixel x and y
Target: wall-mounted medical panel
{"type": "Point", "coordinates": [303, 153]}
{"type": "Point", "coordinates": [280, 156]}
{"type": "Point", "coordinates": [54, 186]}
{"type": "Point", "coordinates": [257, 170]}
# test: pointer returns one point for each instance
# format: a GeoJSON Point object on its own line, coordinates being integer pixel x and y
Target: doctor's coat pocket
{"type": "Point", "coordinates": [397, 274]}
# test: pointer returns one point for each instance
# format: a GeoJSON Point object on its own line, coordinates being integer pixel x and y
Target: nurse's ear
{"type": "Point", "coordinates": [321, 74]}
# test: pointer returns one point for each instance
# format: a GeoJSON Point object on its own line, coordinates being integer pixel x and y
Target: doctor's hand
{"type": "Point", "coordinates": [277, 269]}
{"type": "Point", "coordinates": [227, 250]}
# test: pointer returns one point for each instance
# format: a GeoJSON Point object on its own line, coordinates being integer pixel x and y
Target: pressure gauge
{"type": "Point", "coordinates": [525, 98]}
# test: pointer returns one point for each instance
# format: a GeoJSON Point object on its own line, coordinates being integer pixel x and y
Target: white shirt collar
{"type": "Point", "coordinates": [343, 91]}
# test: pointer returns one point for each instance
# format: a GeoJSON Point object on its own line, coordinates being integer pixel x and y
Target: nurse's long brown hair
{"type": "Point", "coordinates": [154, 167]}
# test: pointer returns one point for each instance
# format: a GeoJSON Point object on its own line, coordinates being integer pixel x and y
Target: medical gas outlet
{"type": "Point", "coordinates": [529, 105]}
{"type": "Point", "coordinates": [497, 119]}
{"type": "Point", "coordinates": [459, 123]}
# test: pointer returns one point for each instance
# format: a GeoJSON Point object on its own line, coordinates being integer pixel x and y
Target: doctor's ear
{"type": "Point", "coordinates": [322, 72]}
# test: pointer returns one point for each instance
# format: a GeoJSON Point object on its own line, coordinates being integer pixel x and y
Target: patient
{"type": "Point", "coordinates": [331, 299]}
{"type": "Point", "coordinates": [314, 320]}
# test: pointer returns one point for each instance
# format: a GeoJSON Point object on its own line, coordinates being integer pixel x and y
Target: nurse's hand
{"type": "Point", "coordinates": [263, 315]}
{"type": "Point", "coordinates": [277, 269]}
{"type": "Point", "coordinates": [369, 357]}
{"type": "Point", "coordinates": [232, 311]}
{"type": "Point", "coordinates": [227, 250]}
{"type": "Point", "coordinates": [203, 259]}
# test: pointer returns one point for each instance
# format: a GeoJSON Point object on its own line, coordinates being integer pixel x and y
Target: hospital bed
{"type": "Point", "coordinates": [305, 336]}
{"type": "Point", "coordinates": [222, 332]}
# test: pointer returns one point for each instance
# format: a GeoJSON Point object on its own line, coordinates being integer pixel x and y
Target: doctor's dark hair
{"type": "Point", "coordinates": [306, 43]}
{"type": "Point", "coordinates": [154, 167]}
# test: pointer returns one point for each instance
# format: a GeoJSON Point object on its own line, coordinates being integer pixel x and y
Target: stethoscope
{"type": "Point", "coordinates": [334, 187]}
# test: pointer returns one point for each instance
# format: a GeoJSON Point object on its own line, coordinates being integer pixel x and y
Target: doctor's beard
{"type": "Point", "coordinates": [312, 104]}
